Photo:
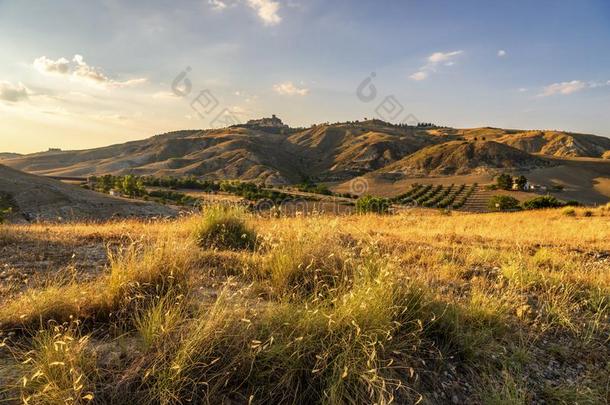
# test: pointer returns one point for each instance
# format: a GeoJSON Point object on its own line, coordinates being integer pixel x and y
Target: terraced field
{"type": "Point", "coordinates": [439, 196]}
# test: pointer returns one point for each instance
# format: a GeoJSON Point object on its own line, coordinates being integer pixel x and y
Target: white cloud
{"type": "Point", "coordinates": [217, 4]}
{"type": "Point", "coordinates": [13, 92]}
{"type": "Point", "coordinates": [567, 88]}
{"type": "Point", "coordinates": [438, 57]}
{"type": "Point", "coordinates": [289, 89]}
{"type": "Point", "coordinates": [418, 76]}
{"type": "Point", "coordinates": [126, 83]}
{"type": "Point", "coordinates": [45, 65]}
{"type": "Point", "coordinates": [87, 72]}
{"type": "Point", "coordinates": [267, 10]}
{"type": "Point", "coordinates": [79, 69]}
{"type": "Point", "coordinates": [445, 58]}
{"type": "Point", "coordinates": [501, 53]}
{"type": "Point", "coordinates": [564, 88]}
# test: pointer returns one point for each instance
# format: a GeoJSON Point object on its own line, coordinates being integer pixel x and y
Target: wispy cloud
{"type": "Point", "coordinates": [501, 53]}
{"type": "Point", "coordinates": [165, 95]}
{"type": "Point", "coordinates": [438, 57]}
{"type": "Point", "coordinates": [289, 89]}
{"type": "Point", "coordinates": [434, 60]}
{"type": "Point", "coordinates": [13, 93]}
{"type": "Point", "coordinates": [79, 69]}
{"type": "Point", "coordinates": [564, 88]}
{"type": "Point", "coordinates": [217, 4]}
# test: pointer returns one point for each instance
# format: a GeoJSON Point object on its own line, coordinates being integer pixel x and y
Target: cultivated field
{"type": "Point", "coordinates": [227, 307]}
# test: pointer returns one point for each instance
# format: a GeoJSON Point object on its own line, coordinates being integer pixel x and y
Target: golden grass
{"type": "Point", "coordinates": [326, 309]}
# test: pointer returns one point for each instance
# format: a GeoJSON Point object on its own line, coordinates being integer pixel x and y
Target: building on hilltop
{"type": "Point", "coordinates": [273, 122]}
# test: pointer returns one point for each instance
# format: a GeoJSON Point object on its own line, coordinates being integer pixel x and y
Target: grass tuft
{"type": "Point", "coordinates": [224, 227]}
{"type": "Point", "coordinates": [60, 368]}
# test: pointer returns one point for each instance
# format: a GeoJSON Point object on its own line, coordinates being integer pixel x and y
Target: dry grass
{"type": "Point", "coordinates": [355, 309]}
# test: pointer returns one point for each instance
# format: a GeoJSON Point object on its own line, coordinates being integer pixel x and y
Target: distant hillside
{"type": "Point", "coordinates": [464, 157]}
{"type": "Point", "coordinates": [326, 152]}
{"type": "Point", "coordinates": [342, 151]}
{"type": "Point", "coordinates": [8, 155]}
{"type": "Point", "coordinates": [559, 144]}
{"type": "Point", "coordinates": [39, 198]}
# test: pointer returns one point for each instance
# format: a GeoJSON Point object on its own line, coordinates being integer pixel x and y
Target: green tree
{"type": "Point", "coordinates": [504, 181]}
{"type": "Point", "coordinates": [521, 181]}
{"type": "Point", "coordinates": [132, 186]}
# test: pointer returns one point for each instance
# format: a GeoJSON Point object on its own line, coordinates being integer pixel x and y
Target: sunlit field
{"type": "Point", "coordinates": [232, 307]}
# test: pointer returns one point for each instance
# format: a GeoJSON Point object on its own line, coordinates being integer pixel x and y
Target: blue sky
{"type": "Point", "coordinates": [77, 74]}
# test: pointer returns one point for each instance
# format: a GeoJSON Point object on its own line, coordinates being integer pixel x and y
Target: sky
{"type": "Point", "coordinates": [82, 74]}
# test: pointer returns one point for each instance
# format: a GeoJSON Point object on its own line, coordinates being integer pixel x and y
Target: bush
{"type": "Point", "coordinates": [588, 213]}
{"type": "Point", "coordinates": [369, 203]}
{"type": "Point", "coordinates": [224, 228]}
{"type": "Point", "coordinates": [504, 181]}
{"type": "Point", "coordinates": [569, 212]}
{"type": "Point", "coordinates": [502, 203]}
{"type": "Point", "coordinates": [547, 201]}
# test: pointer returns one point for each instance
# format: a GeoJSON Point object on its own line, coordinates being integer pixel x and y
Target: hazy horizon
{"type": "Point", "coordinates": [87, 74]}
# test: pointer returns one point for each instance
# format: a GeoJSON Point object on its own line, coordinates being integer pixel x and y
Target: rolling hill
{"type": "Point", "coordinates": [332, 153]}
{"type": "Point", "coordinates": [39, 198]}
{"type": "Point", "coordinates": [8, 155]}
{"type": "Point", "coordinates": [464, 157]}
{"type": "Point", "coordinates": [558, 144]}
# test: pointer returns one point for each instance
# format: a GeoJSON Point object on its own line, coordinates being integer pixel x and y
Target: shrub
{"type": "Point", "coordinates": [504, 181]}
{"type": "Point", "coordinates": [569, 212]}
{"type": "Point", "coordinates": [588, 213]}
{"type": "Point", "coordinates": [224, 228]}
{"type": "Point", "coordinates": [369, 203]}
{"type": "Point", "coordinates": [502, 203]}
{"type": "Point", "coordinates": [572, 203]}
{"type": "Point", "coordinates": [546, 201]}
{"type": "Point", "coordinates": [174, 197]}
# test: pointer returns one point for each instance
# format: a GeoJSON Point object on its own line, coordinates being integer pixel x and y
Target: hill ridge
{"type": "Point", "coordinates": [325, 152]}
